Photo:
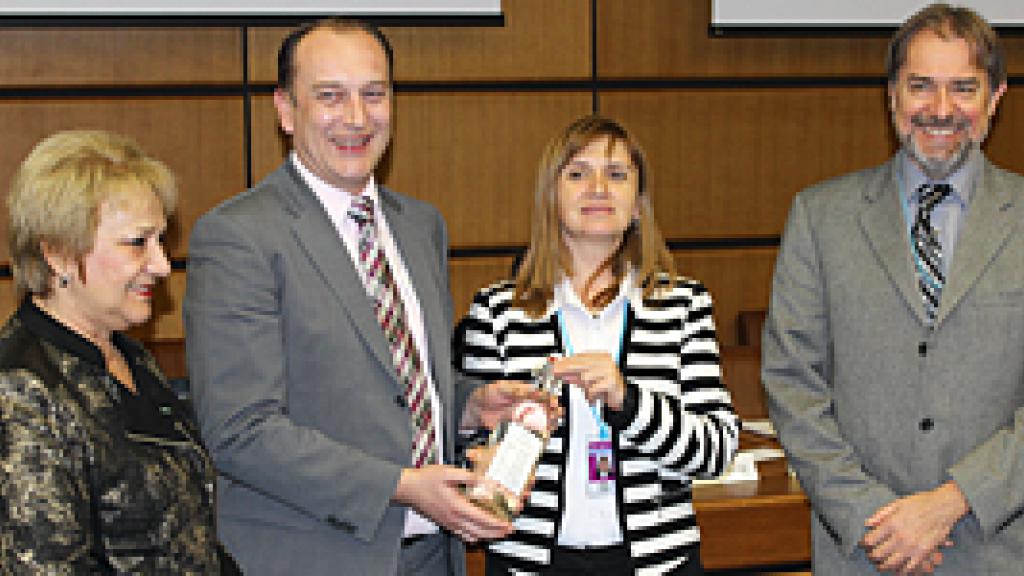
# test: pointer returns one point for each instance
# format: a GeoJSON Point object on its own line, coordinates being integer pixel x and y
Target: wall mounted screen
{"type": "Point", "coordinates": [846, 13]}
{"type": "Point", "coordinates": [63, 8]}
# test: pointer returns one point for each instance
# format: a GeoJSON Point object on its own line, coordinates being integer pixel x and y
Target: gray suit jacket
{"type": "Point", "coordinates": [293, 380]}
{"type": "Point", "coordinates": [869, 403]}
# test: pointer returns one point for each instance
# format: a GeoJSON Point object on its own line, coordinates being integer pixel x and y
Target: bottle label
{"type": "Point", "coordinates": [515, 457]}
{"type": "Point", "coordinates": [531, 415]}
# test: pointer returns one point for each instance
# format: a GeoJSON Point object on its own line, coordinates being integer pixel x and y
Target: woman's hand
{"type": "Point", "coordinates": [496, 402]}
{"type": "Point", "coordinates": [596, 374]}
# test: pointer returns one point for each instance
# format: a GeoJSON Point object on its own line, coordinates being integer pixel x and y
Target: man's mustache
{"type": "Point", "coordinates": [939, 122]}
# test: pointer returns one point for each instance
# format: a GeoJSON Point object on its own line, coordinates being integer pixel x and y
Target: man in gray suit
{"type": "Point", "coordinates": [314, 369]}
{"type": "Point", "coordinates": [893, 354]}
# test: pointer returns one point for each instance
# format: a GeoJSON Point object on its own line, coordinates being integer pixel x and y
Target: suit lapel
{"type": "Point", "coordinates": [988, 224]}
{"type": "Point", "coordinates": [316, 235]}
{"type": "Point", "coordinates": [420, 260]}
{"type": "Point", "coordinates": [884, 225]}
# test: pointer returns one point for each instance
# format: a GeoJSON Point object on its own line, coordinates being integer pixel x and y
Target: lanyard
{"type": "Point", "coordinates": [595, 408]}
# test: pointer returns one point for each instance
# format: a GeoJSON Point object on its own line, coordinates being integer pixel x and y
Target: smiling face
{"type": "Point", "coordinates": [941, 103]}
{"type": "Point", "coordinates": [597, 193]}
{"type": "Point", "coordinates": [112, 289]}
{"type": "Point", "coordinates": [339, 107]}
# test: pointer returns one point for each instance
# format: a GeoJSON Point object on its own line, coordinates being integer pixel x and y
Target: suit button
{"type": "Point", "coordinates": [926, 424]}
{"type": "Point", "coordinates": [400, 400]}
{"type": "Point", "coordinates": [922, 349]}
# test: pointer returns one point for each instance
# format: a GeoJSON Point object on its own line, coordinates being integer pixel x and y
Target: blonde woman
{"type": "Point", "coordinates": [635, 343]}
{"type": "Point", "coordinates": [101, 469]}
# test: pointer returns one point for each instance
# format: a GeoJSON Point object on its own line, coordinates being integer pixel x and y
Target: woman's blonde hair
{"type": "Point", "coordinates": [547, 257]}
{"type": "Point", "coordinates": [57, 192]}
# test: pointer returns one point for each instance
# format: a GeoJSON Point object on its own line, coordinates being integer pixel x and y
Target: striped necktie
{"type": "Point", "coordinates": [387, 302]}
{"type": "Point", "coordinates": [927, 248]}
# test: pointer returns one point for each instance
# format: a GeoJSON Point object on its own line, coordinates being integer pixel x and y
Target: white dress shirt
{"type": "Point", "coordinates": [588, 519]}
{"type": "Point", "coordinates": [336, 203]}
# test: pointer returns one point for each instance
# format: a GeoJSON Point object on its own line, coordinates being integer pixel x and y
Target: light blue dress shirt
{"type": "Point", "coordinates": [948, 217]}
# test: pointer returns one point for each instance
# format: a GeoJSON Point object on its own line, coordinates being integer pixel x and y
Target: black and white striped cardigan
{"type": "Point", "coordinates": [677, 421]}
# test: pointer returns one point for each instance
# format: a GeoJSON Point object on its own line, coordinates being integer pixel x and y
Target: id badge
{"type": "Point", "coordinates": [600, 464]}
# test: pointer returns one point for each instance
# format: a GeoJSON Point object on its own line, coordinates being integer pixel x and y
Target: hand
{"type": "Point", "coordinates": [494, 403]}
{"type": "Point", "coordinates": [596, 374]}
{"type": "Point", "coordinates": [906, 535]}
{"type": "Point", "coordinates": [433, 491]}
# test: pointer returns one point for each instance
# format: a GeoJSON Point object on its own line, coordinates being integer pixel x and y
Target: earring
{"type": "Point", "coordinates": [63, 280]}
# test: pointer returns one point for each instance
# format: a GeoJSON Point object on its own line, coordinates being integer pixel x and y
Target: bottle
{"type": "Point", "coordinates": [516, 446]}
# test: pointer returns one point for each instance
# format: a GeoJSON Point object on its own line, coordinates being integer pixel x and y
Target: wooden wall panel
{"type": "Point", "coordinates": [8, 298]}
{"type": "Point", "coordinates": [467, 275]}
{"type": "Point", "coordinates": [540, 39]}
{"type": "Point", "coordinates": [728, 162]}
{"type": "Point", "coordinates": [269, 144]}
{"type": "Point", "coordinates": [1004, 142]}
{"type": "Point", "coordinates": [670, 38]}
{"type": "Point", "coordinates": [475, 155]}
{"type": "Point", "coordinates": [119, 56]}
{"type": "Point", "coordinates": [167, 323]}
{"type": "Point", "coordinates": [200, 139]}
{"type": "Point", "coordinates": [472, 154]}
{"type": "Point", "coordinates": [738, 279]}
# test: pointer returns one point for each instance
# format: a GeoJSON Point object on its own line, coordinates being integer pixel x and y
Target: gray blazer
{"type": "Point", "coordinates": [870, 404]}
{"type": "Point", "coordinates": [294, 384]}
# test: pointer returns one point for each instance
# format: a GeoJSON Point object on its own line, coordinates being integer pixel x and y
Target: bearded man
{"type": "Point", "coordinates": [893, 354]}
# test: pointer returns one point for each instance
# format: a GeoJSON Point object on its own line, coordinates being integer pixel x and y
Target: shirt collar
{"type": "Point", "coordinates": [962, 181]}
{"type": "Point", "coordinates": [566, 297]}
{"type": "Point", "coordinates": [323, 190]}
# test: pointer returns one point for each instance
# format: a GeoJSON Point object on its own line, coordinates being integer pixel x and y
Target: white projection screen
{"type": "Point", "coordinates": [845, 13]}
{"type": "Point", "coordinates": [64, 8]}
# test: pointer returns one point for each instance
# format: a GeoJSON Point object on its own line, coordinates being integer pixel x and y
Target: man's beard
{"type": "Point", "coordinates": [937, 169]}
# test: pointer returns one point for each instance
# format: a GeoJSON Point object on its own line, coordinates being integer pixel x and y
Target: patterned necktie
{"type": "Point", "coordinates": [380, 285]}
{"type": "Point", "coordinates": [928, 250]}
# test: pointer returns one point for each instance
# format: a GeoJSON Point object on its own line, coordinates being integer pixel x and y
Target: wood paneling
{"type": "Point", "coordinates": [728, 162]}
{"type": "Point", "coordinates": [473, 155]}
{"type": "Point", "coordinates": [200, 139]}
{"type": "Point", "coordinates": [8, 298]}
{"type": "Point", "coordinates": [670, 38]}
{"type": "Point", "coordinates": [540, 39]}
{"type": "Point", "coordinates": [738, 279]}
{"type": "Point", "coordinates": [269, 145]}
{"type": "Point", "coordinates": [747, 524]}
{"type": "Point", "coordinates": [741, 373]}
{"type": "Point", "coordinates": [467, 275]}
{"type": "Point", "coordinates": [166, 322]}
{"type": "Point", "coordinates": [750, 325]}
{"type": "Point", "coordinates": [1004, 142]}
{"type": "Point", "coordinates": [119, 56]}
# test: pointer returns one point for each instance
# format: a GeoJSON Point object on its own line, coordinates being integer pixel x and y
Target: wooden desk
{"type": "Point", "coordinates": [748, 524]}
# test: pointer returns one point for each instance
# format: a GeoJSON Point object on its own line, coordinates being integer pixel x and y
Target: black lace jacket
{"type": "Point", "coordinates": [94, 479]}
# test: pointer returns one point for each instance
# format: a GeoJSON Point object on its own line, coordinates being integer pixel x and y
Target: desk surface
{"type": "Point", "coordinates": [746, 524]}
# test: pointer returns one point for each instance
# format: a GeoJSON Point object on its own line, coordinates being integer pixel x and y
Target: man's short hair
{"type": "Point", "coordinates": [950, 22]}
{"type": "Point", "coordinates": [286, 54]}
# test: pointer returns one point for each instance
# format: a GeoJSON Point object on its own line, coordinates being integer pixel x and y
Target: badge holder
{"type": "Point", "coordinates": [600, 458]}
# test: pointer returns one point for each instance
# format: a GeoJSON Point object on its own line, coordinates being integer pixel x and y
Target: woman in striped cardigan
{"type": "Point", "coordinates": [597, 295]}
